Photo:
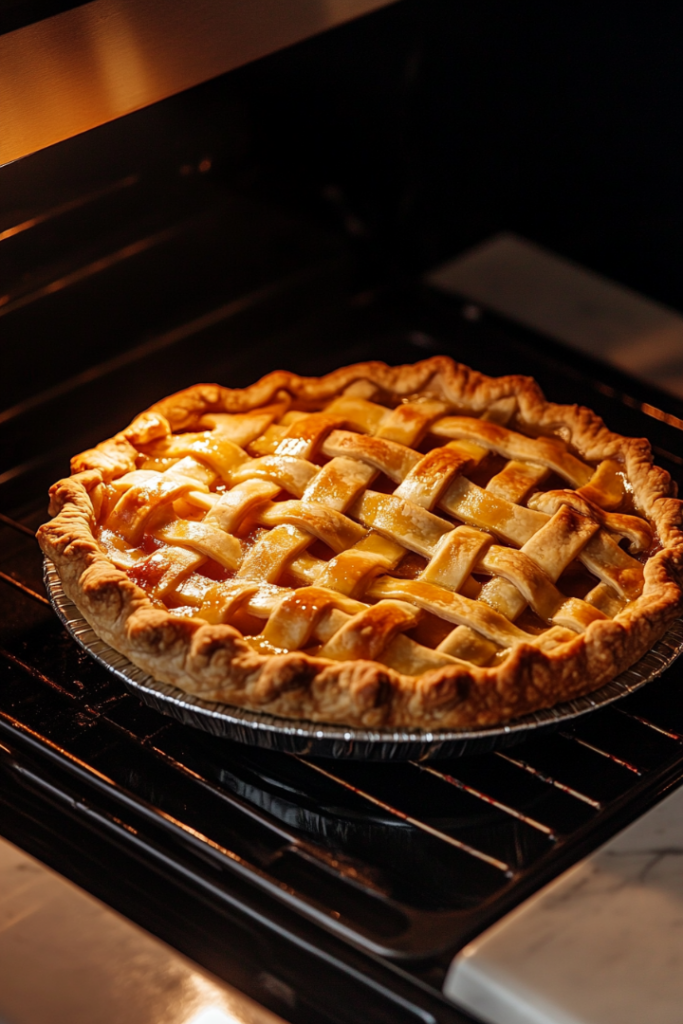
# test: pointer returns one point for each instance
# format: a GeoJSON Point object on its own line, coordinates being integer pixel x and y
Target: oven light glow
{"type": "Point", "coordinates": [205, 1003]}
{"type": "Point", "coordinates": [214, 1015]}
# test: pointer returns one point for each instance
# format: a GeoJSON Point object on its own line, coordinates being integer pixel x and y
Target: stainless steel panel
{"type": "Point", "coordinates": [556, 297]}
{"type": "Point", "coordinates": [89, 65]}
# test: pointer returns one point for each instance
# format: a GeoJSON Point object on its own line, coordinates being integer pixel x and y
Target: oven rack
{"type": "Point", "coordinates": [378, 872]}
{"type": "Point", "coordinates": [121, 749]}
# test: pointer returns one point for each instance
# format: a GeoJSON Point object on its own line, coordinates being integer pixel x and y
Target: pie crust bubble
{"type": "Point", "coordinates": [416, 546]}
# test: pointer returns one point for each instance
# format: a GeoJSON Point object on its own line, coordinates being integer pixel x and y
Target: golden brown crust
{"type": "Point", "coordinates": [215, 662]}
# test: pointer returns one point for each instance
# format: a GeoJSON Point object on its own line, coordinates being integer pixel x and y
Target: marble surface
{"type": "Point", "coordinates": [66, 958]}
{"type": "Point", "coordinates": [565, 301]}
{"type": "Point", "coordinates": [602, 944]}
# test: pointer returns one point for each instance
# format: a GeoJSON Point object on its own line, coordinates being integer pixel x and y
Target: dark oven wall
{"type": "Point", "coordinates": [434, 124]}
{"type": "Point", "coordinates": [218, 235]}
{"type": "Point", "coordinates": [118, 237]}
{"type": "Point", "coordinates": [363, 155]}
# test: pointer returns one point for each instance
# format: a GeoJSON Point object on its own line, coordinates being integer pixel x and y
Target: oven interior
{"type": "Point", "coordinates": [282, 216]}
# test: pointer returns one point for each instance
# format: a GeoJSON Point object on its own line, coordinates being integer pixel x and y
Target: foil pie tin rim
{"type": "Point", "coordinates": [248, 726]}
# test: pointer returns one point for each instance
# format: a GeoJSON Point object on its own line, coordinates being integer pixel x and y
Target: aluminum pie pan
{"type": "Point", "coordinates": [260, 729]}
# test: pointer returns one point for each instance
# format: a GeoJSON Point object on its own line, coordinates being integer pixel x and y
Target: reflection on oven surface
{"type": "Point", "coordinates": [402, 859]}
{"type": "Point", "coordinates": [271, 218]}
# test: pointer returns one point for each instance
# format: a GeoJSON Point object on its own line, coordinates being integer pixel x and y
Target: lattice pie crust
{"type": "Point", "coordinates": [416, 545]}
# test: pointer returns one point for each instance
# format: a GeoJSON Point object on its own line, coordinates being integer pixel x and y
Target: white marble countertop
{"type": "Point", "coordinates": [602, 944]}
{"type": "Point", "coordinates": [66, 958]}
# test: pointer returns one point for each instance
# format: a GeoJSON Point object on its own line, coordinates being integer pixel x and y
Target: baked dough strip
{"type": "Point", "coordinates": [189, 464]}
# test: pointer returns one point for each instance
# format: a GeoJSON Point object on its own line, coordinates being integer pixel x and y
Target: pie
{"type": "Point", "coordinates": [416, 546]}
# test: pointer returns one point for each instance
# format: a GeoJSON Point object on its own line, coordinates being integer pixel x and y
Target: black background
{"type": "Point", "coordinates": [429, 125]}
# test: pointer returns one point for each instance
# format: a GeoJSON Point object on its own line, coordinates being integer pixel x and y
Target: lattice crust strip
{"type": "Point", "coordinates": [423, 533]}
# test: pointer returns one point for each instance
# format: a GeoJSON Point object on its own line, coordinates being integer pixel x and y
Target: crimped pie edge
{"type": "Point", "coordinates": [216, 663]}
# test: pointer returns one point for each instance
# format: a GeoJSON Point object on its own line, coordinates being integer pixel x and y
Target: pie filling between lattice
{"type": "Point", "coordinates": [370, 526]}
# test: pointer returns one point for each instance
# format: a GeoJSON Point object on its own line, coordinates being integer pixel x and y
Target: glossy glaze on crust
{"type": "Point", "coordinates": [216, 662]}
